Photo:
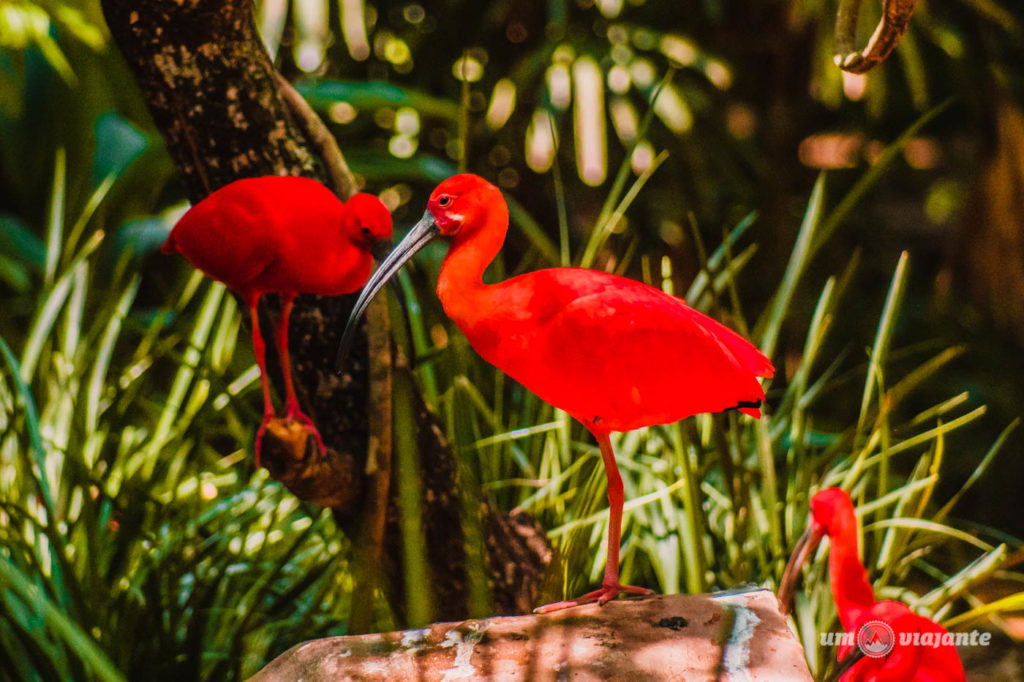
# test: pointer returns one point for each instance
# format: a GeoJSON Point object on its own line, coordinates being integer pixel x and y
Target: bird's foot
{"type": "Point", "coordinates": [602, 596]}
{"type": "Point", "coordinates": [296, 415]}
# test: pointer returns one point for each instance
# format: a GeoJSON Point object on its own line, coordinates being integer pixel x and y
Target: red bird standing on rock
{"type": "Point", "coordinates": [832, 514]}
{"type": "Point", "coordinates": [614, 353]}
{"type": "Point", "coordinates": [288, 236]}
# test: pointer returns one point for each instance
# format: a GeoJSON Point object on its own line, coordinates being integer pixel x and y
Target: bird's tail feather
{"type": "Point", "coordinates": [751, 408]}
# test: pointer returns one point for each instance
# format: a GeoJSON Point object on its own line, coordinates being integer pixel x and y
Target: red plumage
{"type": "Point", "coordinates": [284, 235]}
{"type": "Point", "coordinates": [608, 350]}
{"type": "Point", "coordinates": [832, 515]}
{"type": "Point", "coordinates": [614, 353]}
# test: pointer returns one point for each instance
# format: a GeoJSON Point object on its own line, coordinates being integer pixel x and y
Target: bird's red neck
{"type": "Point", "coordinates": [850, 587]}
{"type": "Point", "coordinates": [460, 284]}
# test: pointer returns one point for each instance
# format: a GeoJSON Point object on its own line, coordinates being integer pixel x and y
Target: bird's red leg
{"type": "Point", "coordinates": [292, 410]}
{"type": "Point", "coordinates": [610, 586]}
{"type": "Point", "coordinates": [261, 351]}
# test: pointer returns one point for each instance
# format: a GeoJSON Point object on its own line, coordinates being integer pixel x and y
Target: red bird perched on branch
{"type": "Point", "coordinates": [614, 353]}
{"type": "Point", "coordinates": [877, 624]}
{"type": "Point", "coordinates": [284, 235]}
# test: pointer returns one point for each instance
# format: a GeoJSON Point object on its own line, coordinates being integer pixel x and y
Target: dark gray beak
{"type": "Point", "coordinates": [852, 659]}
{"type": "Point", "coordinates": [421, 234]}
{"type": "Point", "coordinates": [380, 251]}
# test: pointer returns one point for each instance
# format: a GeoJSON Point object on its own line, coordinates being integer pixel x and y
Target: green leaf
{"type": "Point", "coordinates": [375, 95]}
{"type": "Point", "coordinates": [20, 243]}
{"type": "Point", "coordinates": [118, 143]}
{"type": "Point", "coordinates": [55, 618]}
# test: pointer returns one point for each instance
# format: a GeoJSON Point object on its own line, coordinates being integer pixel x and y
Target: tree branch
{"type": "Point", "coordinates": [893, 24]}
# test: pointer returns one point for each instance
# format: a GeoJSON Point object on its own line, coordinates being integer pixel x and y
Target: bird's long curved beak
{"type": "Point", "coordinates": [421, 234]}
{"type": "Point", "coordinates": [852, 659]}
{"type": "Point", "coordinates": [802, 552]}
{"type": "Point", "coordinates": [380, 251]}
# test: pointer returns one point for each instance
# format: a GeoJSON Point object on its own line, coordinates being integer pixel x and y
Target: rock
{"type": "Point", "coordinates": [735, 637]}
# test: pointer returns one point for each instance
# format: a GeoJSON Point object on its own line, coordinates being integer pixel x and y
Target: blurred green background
{"type": "Point", "coordinates": [136, 537]}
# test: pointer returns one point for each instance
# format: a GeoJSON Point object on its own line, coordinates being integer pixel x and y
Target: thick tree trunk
{"type": "Point", "coordinates": [226, 114]}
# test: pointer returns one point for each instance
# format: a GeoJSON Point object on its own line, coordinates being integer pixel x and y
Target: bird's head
{"type": "Point", "coordinates": [460, 201]}
{"type": "Point", "coordinates": [829, 509]}
{"type": "Point", "coordinates": [457, 208]}
{"type": "Point", "coordinates": [366, 222]}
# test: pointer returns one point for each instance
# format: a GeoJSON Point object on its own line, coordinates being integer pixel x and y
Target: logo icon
{"type": "Point", "coordinates": [876, 639]}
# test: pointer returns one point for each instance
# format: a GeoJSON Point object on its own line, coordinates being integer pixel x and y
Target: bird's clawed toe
{"type": "Point", "coordinates": [601, 596]}
{"type": "Point", "coordinates": [296, 415]}
{"type": "Point", "coordinates": [288, 429]}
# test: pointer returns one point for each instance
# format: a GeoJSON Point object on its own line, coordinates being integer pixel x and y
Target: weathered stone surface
{"type": "Point", "coordinates": [761, 645]}
{"type": "Point", "coordinates": [678, 637]}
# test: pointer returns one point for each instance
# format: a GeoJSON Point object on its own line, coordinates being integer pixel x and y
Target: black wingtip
{"type": "Point", "coordinates": [745, 405]}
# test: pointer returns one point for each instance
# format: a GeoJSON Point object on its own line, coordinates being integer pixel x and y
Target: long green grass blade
{"type": "Point", "coordinates": [932, 528]}
{"type": "Point", "coordinates": [104, 351]}
{"type": "Point", "coordinates": [798, 259]}
{"type": "Point", "coordinates": [54, 617]}
{"type": "Point", "coordinates": [50, 309]}
{"type": "Point", "coordinates": [982, 467]}
{"type": "Point", "coordinates": [622, 175]}
{"type": "Point", "coordinates": [604, 228]}
{"type": "Point", "coordinates": [95, 199]}
{"type": "Point", "coordinates": [880, 347]}
{"type": "Point", "coordinates": [700, 282]}
{"type": "Point", "coordinates": [55, 217]}
{"type": "Point", "coordinates": [416, 570]}
{"type": "Point", "coordinates": [1009, 604]}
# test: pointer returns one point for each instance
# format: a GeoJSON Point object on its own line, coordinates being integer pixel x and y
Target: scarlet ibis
{"type": "Point", "coordinates": [614, 353]}
{"type": "Point", "coordinates": [832, 514]}
{"type": "Point", "coordinates": [283, 235]}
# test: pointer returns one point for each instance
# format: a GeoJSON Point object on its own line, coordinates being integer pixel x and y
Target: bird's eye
{"type": "Point", "coordinates": [365, 231]}
{"type": "Point", "coordinates": [444, 201]}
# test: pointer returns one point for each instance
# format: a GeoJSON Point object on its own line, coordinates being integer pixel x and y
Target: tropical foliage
{"type": "Point", "coordinates": [680, 148]}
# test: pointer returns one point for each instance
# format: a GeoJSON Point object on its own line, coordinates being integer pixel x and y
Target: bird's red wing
{"type": "Point", "coordinates": [213, 236]}
{"type": "Point", "coordinates": [746, 352]}
{"type": "Point", "coordinates": [602, 346]}
{"type": "Point", "coordinates": [270, 234]}
{"type": "Point", "coordinates": [299, 221]}
{"type": "Point", "coordinates": [592, 290]}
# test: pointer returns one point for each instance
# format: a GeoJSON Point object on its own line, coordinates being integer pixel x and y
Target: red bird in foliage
{"type": "Point", "coordinates": [288, 236]}
{"type": "Point", "coordinates": [876, 624]}
{"type": "Point", "coordinates": [614, 353]}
